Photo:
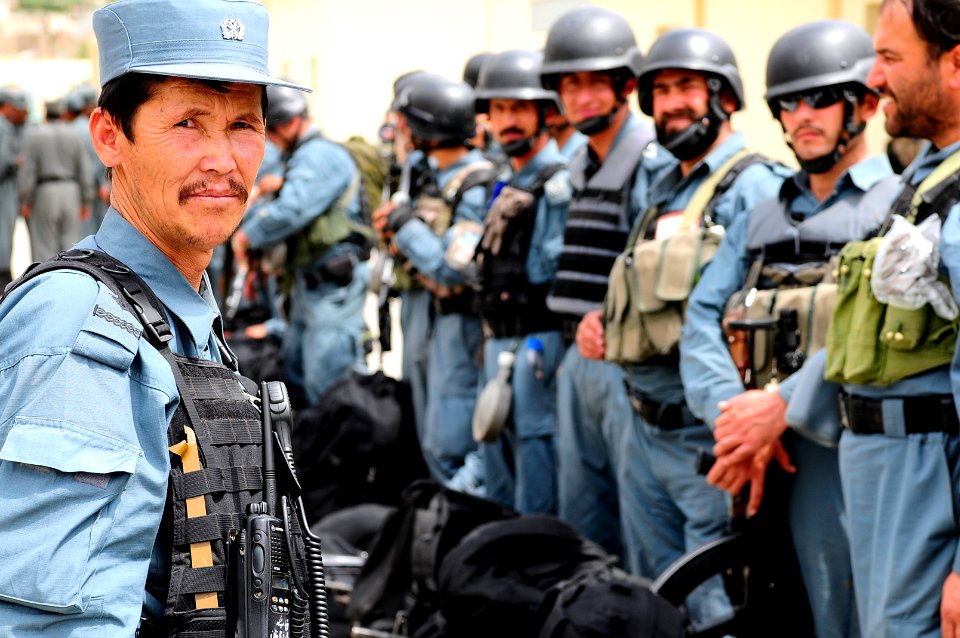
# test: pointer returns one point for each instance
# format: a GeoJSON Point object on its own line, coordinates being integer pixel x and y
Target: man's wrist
{"type": "Point", "coordinates": [398, 218]}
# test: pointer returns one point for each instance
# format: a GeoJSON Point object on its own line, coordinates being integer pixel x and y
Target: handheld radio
{"type": "Point", "coordinates": [261, 572]}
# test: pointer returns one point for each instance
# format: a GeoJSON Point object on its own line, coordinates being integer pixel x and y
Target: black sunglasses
{"type": "Point", "coordinates": [815, 98]}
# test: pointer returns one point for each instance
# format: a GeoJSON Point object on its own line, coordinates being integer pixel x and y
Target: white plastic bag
{"type": "Point", "coordinates": [906, 268]}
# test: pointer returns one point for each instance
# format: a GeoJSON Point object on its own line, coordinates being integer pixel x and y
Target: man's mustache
{"type": "Point", "coordinates": [236, 188]}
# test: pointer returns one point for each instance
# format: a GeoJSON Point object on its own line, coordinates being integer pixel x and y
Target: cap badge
{"type": "Point", "coordinates": [232, 29]}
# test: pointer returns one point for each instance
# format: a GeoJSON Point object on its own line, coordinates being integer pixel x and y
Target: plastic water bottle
{"type": "Point", "coordinates": [535, 356]}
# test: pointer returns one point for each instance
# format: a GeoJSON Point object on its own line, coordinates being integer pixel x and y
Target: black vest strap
{"type": "Point", "coordinates": [207, 528]}
{"type": "Point", "coordinates": [213, 480]}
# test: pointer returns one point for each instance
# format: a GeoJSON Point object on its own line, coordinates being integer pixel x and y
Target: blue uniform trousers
{"type": "Point", "coordinates": [415, 311]}
{"type": "Point", "coordinates": [323, 341]}
{"type": "Point", "coordinates": [901, 498]}
{"type": "Point", "coordinates": [816, 516]}
{"type": "Point", "coordinates": [670, 510]}
{"type": "Point", "coordinates": [593, 414]}
{"type": "Point", "coordinates": [521, 467]}
{"type": "Point", "coordinates": [452, 380]}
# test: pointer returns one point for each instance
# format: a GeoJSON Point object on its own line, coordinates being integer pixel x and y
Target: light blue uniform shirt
{"type": "Point", "coordinates": [706, 367]}
{"type": "Point", "coordinates": [672, 192]}
{"type": "Point", "coordinates": [317, 175]}
{"type": "Point", "coordinates": [85, 403]}
{"type": "Point", "coordinates": [423, 247]}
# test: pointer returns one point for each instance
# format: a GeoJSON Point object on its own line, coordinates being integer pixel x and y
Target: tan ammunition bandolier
{"type": "Point", "coordinates": [793, 268]}
{"type": "Point", "coordinates": [870, 342]}
{"type": "Point", "coordinates": [651, 280]}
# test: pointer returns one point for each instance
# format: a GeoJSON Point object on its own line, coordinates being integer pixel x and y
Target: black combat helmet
{"type": "Point", "coordinates": [438, 110]}
{"type": "Point", "coordinates": [826, 54]}
{"type": "Point", "coordinates": [591, 39]}
{"type": "Point", "coordinates": [512, 75]}
{"type": "Point", "coordinates": [283, 104]}
{"type": "Point", "coordinates": [402, 82]}
{"type": "Point", "coordinates": [471, 71]}
{"type": "Point", "coordinates": [816, 55]}
{"type": "Point", "coordinates": [515, 75]}
{"type": "Point", "coordinates": [692, 50]}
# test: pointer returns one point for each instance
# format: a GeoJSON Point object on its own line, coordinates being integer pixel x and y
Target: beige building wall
{"type": "Point", "coordinates": [350, 51]}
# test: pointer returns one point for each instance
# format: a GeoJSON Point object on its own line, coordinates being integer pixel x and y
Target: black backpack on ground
{"type": "Point", "coordinates": [357, 445]}
{"type": "Point", "coordinates": [494, 581]}
{"type": "Point", "coordinates": [609, 603]}
{"type": "Point", "coordinates": [397, 587]}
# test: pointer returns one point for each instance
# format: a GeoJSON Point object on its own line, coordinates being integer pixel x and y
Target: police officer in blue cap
{"type": "Point", "coordinates": [89, 403]}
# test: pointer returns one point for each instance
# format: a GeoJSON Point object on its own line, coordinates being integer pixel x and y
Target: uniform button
{"type": "Point", "coordinates": [898, 336]}
{"type": "Point", "coordinates": [889, 335]}
{"type": "Point", "coordinates": [867, 272]}
{"type": "Point", "coordinates": [844, 269]}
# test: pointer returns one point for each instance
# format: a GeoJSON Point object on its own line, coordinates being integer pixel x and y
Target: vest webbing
{"type": "Point", "coordinates": [792, 266]}
{"type": "Point", "coordinates": [216, 406]}
{"type": "Point", "coordinates": [597, 226]}
{"type": "Point", "coordinates": [508, 302]}
{"type": "Point", "coordinates": [332, 226]}
{"type": "Point", "coordinates": [652, 279]}
{"type": "Point", "coordinates": [874, 343]}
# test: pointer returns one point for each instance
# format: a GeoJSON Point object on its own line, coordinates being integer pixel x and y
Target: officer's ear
{"type": "Point", "coordinates": [106, 134]}
{"type": "Point", "coordinates": [868, 105]}
{"type": "Point", "coordinates": [728, 101]}
{"type": "Point", "coordinates": [950, 65]}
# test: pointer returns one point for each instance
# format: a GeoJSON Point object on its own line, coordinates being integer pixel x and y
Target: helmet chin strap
{"type": "Point", "coordinates": [850, 130]}
{"type": "Point", "coordinates": [600, 123]}
{"type": "Point", "coordinates": [519, 148]}
{"type": "Point", "coordinates": [694, 140]}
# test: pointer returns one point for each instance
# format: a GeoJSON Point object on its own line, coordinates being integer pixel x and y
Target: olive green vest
{"type": "Point", "coordinates": [651, 280]}
{"type": "Point", "coordinates": [874, 343]}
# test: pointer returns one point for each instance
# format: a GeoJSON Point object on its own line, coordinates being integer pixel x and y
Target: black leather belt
{"type": "Point", "coordinates": [921, 414]}
{"type": "Point", "coordinates": [666, 416]}
{"type": "Point", "coordinates": [47, 180]}
{"type": "Point", "coordinates": [500, 328]}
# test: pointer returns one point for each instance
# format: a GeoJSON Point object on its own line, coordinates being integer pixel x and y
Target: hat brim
{"type": "Point", "coordinates": [218, 72]}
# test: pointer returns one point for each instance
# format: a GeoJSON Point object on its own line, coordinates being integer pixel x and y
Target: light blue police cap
{"type": "Point", "coordinates": [224, 40]}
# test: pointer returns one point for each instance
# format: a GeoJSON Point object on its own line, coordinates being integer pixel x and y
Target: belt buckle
{"type": "Point", "coordinates": [844, 413]}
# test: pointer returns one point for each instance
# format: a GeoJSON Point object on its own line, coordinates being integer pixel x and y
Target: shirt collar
{"type": "Point", "coordinates": [674, 181]}
{"type": "Point", "coordinates": [863, 175]}
{"type": "Point", "coordinates": [445, 175]}
{"type": "Point", "coordinates": [196, 311]}
{"type": "Point", "coordinates": [631, 122]}
{"type": "Point", "coordinates": [927, 160]}
{"type": "Point", "coordinates": [546, 156]}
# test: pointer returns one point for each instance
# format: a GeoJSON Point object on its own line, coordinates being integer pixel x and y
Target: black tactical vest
{"type": "Point", "coordinates": [221, 408]}
{"type": "Point", "coordinates": [776, 239]}
{"type": "Point", "coordinates": [598, 223]}
{"type": "Point", "coordinates": [509, 304]}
